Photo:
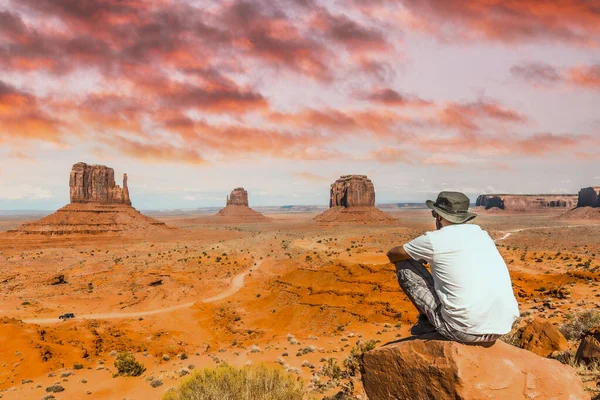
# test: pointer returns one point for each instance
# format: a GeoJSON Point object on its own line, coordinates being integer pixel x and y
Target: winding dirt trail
{"type": "Point", "coordinates": [509, 233]}
{"type": "Point", "coordinates": [236, 284]}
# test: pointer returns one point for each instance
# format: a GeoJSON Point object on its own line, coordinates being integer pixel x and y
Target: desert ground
{"type": "Point", "coordinates": [290, 291]}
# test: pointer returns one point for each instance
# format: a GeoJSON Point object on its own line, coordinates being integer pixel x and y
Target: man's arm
{"type": "Point", "coordinates": [397, 253]}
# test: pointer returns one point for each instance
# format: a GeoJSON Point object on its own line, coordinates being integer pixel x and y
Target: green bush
{"type": "Point", "coordinates": [354, 361]}
{"type": "Point", "coordinates": [127, 365]}
{"type": "Point", "coordinates": [229, 383]}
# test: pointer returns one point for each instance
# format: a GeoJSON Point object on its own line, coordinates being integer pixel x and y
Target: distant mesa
{"type": "Point", "coordinates": [589, 197]}
{"type": "Point", "coordinates": [526, 202]}
{"type": "Point", "coordinates": [237, 209]}
{"type": "Point", "coordinates": [98, 206]}
{"type": "Point", "coordinates": [588, 205]}
{"type": "Point", "coordinates": [352, 199]}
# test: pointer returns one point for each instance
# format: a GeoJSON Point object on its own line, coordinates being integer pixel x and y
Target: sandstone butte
{"type": "Point", "coordinates": [98, 206]}
{"type": "Point", "coordinates": [588, 205]}
{"type": "Point", "coordinates": [352, 199]}
{"type": "Point", "coordinates": [526, 202]}
{"type": "Point", "coordinates": [237, 208]}
{"type": "Point", "coordinates": [430, 368]}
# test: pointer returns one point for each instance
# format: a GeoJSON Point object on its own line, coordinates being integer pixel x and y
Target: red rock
{"type": "Point", "coordinates": [428, 368]}
{"type": "Point", "coordinates": [238, 197]}
{"type": "Point", "coordinates": [542, 338]}
{"type": "Point", "coordinates": [589, 348]}
{"type": "Point", "coordinates": [237, 210]}
{"type": "Point", "coordinates": [352, 191]}
{"type": "Point", "coordinates": [96, 184]}
{"type": "Point", "coordinates": [352, 199]}
{"type": "Point", "coordinates": [526, 202]}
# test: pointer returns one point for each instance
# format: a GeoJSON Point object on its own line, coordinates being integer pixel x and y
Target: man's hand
{"type": "Point", "coordinates": [396, 254]}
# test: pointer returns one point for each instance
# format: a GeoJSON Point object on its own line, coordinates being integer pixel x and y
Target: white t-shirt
{"type": "Point", "coordinates": [470, 278]}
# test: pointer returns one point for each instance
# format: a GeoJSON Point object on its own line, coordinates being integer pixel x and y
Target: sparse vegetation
{"type": "Point", "coordinates": [127, 365]}
{"type": "Point", "coordinates": [248, 383]}
{"type": "Point", "coordinates": [578, 324]}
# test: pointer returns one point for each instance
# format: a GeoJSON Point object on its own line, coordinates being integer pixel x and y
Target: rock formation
{"type": "Point", "coordinates": [589, 197]}
{"type": "Point", "coordinates": [352, 199]}
{"type": "Point", "coordinates": [237, 209]}
{"type": "Point", "coordinates": [542, 338]}
{"type": "Point", "coordinates": [588, 205]}
{"type": "Point", "coordinates": [589, 348]}
{"type": "Point", "coordinates": [429, 368]}
{"type": "Point", "coordinates": [98, 206]}
{"type": "Point", "coordinates": [238, 197]}
{"type": "Point", "coordinates": [526, 202]}
{"type": "Point", "coordinates": [96, 184]}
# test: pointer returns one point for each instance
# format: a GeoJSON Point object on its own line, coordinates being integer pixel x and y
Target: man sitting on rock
{"type": "Point", "coordinates": [468, 295]}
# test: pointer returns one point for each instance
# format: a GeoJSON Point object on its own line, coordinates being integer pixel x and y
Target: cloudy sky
{"type": "Point", "coordinates": [194, 98]}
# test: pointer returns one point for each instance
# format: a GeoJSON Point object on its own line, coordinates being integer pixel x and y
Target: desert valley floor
{"type": "Point", "coordinates": [290, 291]}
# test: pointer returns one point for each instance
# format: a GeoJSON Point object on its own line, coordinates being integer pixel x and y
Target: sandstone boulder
{"type": "Point", "coordinates": [589, 348]}
{"type": "Point", "coordinates": [542, 338]}
{"type": "Point", "coordinates": [427, 367]}
{"type": "Point", "coordinates": [96, 184]}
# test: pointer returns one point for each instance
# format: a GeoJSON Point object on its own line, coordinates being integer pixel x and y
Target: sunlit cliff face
{"type": "Point", "coordinates": [283, 96]}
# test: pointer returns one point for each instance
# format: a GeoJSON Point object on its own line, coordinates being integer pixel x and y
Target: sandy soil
{"type": "Point", "coordinates": [212, 291]}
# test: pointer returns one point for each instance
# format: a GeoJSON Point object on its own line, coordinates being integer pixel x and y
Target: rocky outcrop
{"type": "Point", "coordinates": [98, 206]}
{"type": "Point", "coordinates": [96, 184]}
{"type": "Point", "coordinates": [429, 368]}
{"type": "Point", "coordinates": [589, 197]}
{"type": "Point", "coordinates": [352, 199]}
{"type": "Point", "coordinates": [526, 202]}
{"type": "Point", "coordinates": [237, 210]}
{"type": "Point", "coordinates": [238, 197]}
{"type": "Point", "coordinates": [589, 348]}
{"type": "Point", "coordinates": [352, 191]}
{"type": "Point", "coordinates": [542, 338]}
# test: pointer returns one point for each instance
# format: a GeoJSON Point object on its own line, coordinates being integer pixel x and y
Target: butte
{"type": "Point", "coordinates": [352, 199]}
{"type": "Point", "coordinates": [98, 206]}
{"type": "Point", "coordinates": [588, 205]}
{"type": "Point", "coordinates": [237, 209]}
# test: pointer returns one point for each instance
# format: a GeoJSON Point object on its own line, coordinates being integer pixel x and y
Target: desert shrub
{"type": "Point", "coordinates": [353, 363]}
{"type": "Point", "coordinates": [577, 325]}
{"type": "Point", "coordinates": [231, 383]}
{"type": "Point", "coordinates": [127, 365]}
{"type": "Point", "coordinates": [331, 369]}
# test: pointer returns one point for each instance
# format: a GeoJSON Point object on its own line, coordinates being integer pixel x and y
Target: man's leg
{"type": "Point", "coordinates": [417, 283]}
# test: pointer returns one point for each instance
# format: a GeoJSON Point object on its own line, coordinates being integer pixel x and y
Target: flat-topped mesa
{"type": "Point", "coordinates": [526, 202]}
{"type": "Point", "coordinates": [238, 197]}
{"type": "Point", "coordinates": [589, 197]}
{"type": "Point", "coordinates": [352, 199]}
{"type": "Point", "coordinates": [96, 184]}
{"type": "Point", "coordinates": [352, 191]}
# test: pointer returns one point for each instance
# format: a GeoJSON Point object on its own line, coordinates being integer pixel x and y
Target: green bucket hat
{"type": "Point", "coordinates": [452, 206]}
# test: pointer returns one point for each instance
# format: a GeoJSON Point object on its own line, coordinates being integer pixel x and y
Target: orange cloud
{"type": "Point", "coordinates": [154, 152]}
{"type": "Point", "coordinates": [466, 116]}
{"type": "Point", "coordinates": [575, 21]}
{"type": "Point", "coordinates": [538, 74]}
{"type": "Point", "coordinates": [585, 75]}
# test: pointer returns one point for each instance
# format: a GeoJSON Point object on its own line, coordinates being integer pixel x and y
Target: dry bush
{"type": "Point", "coordinates": [127, 365]}
{"type": "Point", "coordinates": [229, 383]}
{"type": "Point", "coordinates": [580, 323]}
